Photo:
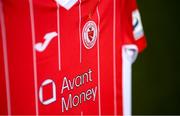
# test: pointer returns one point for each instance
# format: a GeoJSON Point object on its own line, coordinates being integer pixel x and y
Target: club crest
{"type": "Point", "coordinates": [89, 34]}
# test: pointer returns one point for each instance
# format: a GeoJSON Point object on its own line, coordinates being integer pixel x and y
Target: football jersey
{"type": "Point", "coordinates": [68, 57]}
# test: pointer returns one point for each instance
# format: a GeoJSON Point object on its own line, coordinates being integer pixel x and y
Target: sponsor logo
{"type": "Point", "coordinates": [68, 98]}
{"type": "Point", "coordinates": [89, 34]}
{"type": "Point", "coordinates": [41, 46]}
{"type": "Point", "coordinates": [46, 83]}
{"type": "Point", "coordinates": [138, 31]}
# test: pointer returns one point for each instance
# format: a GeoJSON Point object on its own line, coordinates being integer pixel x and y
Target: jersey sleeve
{"type": "Point", "coordinates": [133, 28]}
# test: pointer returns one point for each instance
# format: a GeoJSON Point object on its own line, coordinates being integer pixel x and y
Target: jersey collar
{"type": "Point", "coordinates": [67, 4]}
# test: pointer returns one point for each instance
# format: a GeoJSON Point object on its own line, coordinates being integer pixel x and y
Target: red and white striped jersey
{"type": "Point", "coordinates": [68, 56]}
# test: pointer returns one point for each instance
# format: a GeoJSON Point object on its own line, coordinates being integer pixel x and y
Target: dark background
{"type": "Point", "coordinates": [156, 72]}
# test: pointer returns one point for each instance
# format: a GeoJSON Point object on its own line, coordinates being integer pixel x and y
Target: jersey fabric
{"type": "Point", "coordinates": [68, 56]}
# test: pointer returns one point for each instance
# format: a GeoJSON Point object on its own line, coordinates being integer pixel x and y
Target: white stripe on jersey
{"type": "Point", "coordinates": [128, 57]}
{"type": "Point", "coordinates": [34, 55]}
{"type": "Point", "coordinates": [98, 51]}
{"type": "Point", "coordinates": [59, 41]}
{"type": "Point", "coordinates": [81, 113]}
{"type": "Point", "coordinates": [80, 39]}
{"type": "Point", "coordinates": [114, 56]}
{"type": "Point", "coordinates": [5, 54]}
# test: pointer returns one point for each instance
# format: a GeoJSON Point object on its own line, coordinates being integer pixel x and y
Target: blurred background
{"type": "Point", "coordinates": [156, 72]}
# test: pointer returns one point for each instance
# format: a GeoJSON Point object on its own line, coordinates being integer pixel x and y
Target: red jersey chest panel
{"type": "Point", "coordinates": [62, 46]}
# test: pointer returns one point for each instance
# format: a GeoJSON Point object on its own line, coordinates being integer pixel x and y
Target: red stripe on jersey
{"type": "Point", "coordinates": [3, 75]}
{"type": "Point", "coordinates": [19, 54]}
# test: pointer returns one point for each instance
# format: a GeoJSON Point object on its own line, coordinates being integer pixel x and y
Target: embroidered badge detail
{"type": "Point", "coordinates": [89, 34]}
{"type": "Point", "coordinates": [138, 31]}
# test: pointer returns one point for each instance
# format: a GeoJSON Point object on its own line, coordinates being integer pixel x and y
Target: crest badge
{"type": "Point", "coordinates": [89, 34]}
